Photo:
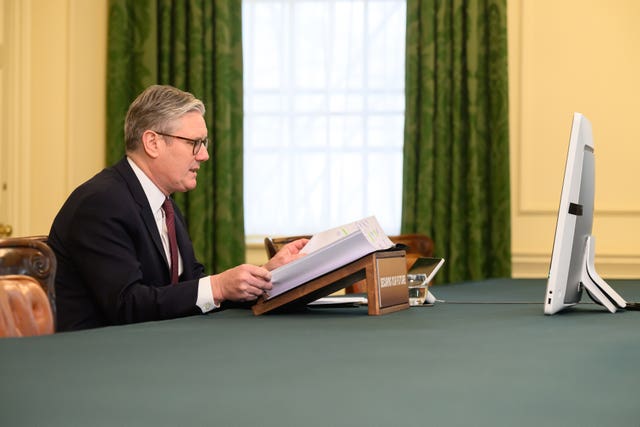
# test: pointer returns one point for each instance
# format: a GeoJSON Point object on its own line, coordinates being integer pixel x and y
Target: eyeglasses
{"type": "Point", "coordinates": [197, 143]}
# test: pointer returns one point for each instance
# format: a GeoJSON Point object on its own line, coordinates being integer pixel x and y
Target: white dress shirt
{"type": "Point", "coordinates": [156, 198]}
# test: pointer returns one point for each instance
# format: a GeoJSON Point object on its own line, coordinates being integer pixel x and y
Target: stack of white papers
{"type": "Point", "coordinates": [329, 250]}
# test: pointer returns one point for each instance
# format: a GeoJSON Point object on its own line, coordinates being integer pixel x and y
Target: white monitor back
{"type": "Point", "coordinates": [572, 261]}
{"type": "Point", "coordinates": [575, 220]}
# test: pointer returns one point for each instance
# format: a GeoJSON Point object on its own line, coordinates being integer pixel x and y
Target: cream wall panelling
{"type": "Point", "coordinates": [55, 105]}
{"type": "Point", "coordinates": [15, 147]}
{"type": "Point", "coordinates": [574, 59]}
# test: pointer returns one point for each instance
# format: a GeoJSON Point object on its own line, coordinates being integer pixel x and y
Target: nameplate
{"type": "Point", "coordinates": [392, 281]}
{"type": "Point", "coordinates": [389, 290]}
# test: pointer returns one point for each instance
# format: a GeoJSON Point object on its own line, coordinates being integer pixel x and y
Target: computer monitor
{"type": "Point", "coordinates": [572, 267]}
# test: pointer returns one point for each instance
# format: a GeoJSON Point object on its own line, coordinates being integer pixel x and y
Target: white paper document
{"type": "Point", "coordinates": [329, 250]}
{"type": "Point", "coordinates": [369, 227]}
{"type": "Point", "coordinates": [340, 300]}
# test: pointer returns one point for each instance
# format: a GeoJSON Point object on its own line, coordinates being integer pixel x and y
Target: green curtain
{"type": "Point", "coordinates": [195, 45]}
{"type": "Point", "coordinates": [456, 147]}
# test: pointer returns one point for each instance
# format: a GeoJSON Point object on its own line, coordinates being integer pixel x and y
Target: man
{"type": "Point", "coordinates": [111, 239]}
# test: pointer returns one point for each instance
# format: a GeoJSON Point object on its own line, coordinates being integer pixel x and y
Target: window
{"type": "Point", "coordinates": [324, 113]}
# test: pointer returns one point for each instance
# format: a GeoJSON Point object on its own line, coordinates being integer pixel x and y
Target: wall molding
{"type": "Point", "coordinates": [609, 267]}
{"type": "Point", "coordinates": [17, 117]}
{"type": "Point", "coordinates": [545, 88]}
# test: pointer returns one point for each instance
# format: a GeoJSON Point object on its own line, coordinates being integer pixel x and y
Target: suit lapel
{"type": "Point", "coordinates": [124, 169]}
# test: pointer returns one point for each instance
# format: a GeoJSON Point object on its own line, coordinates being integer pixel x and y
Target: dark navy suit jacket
{"type": "Point", "coordinates": [112, 268]}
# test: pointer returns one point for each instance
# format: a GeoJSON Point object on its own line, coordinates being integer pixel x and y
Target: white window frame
{"type": "Point", "coordinates": [305, 183]}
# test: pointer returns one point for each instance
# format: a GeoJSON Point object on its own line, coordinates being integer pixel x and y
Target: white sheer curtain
{"type": "Point", "coordinates": [324, 113]}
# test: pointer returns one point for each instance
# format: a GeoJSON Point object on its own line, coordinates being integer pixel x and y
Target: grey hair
{"type": "Point", "coordinates": [156, 108]}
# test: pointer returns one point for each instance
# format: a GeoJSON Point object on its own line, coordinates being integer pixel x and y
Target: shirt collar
{"type": "Point", "coordinates": [155, 197]}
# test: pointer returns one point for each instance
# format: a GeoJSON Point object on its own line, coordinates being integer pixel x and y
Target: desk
{"type": "Point", "coordinates": [453, 364]}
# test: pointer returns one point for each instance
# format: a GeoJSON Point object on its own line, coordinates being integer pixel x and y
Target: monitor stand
{"type": "Point", "coordinates": [596, 287]}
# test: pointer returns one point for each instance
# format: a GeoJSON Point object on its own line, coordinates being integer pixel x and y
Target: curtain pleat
{"type": "Point", "coordinates": [456, 153]}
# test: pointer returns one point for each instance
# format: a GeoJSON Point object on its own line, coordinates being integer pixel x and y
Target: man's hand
{"type": "Point", "coordinates": [245, 282]}
{"type": "Point", "coordinates": [288, 253]}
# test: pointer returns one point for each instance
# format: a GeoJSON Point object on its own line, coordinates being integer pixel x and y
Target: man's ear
{"type": "Point", "coordinates": [151, 143]}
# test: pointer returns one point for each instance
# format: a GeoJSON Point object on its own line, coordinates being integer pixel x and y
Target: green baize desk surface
{"type": "Point", "coordinates": [457, 363]}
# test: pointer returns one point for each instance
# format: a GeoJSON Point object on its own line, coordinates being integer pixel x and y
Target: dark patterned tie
{"type": "Point", "coordinates": [170, 219]}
